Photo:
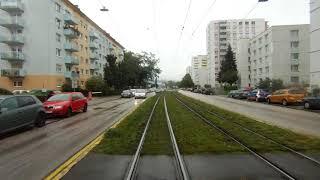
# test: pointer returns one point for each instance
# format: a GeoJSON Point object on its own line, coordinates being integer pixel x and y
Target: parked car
{"type": "Point", "coordinates": [232, 93]}
{"type": "Point", "coordinates": [126, 94]}
{"type": "Point", "coordinates": [197, 90]}
{"type": "Point", "coordinates": [287, 96]}
{"type": "Point", "coordinates": [208, 91]}
{"type": "Point", "coordinates": [43, 94]}
{"type": "Point", "coordinates": [17, 92]}
{"type": "Point", "coordinates": [17, 111]}
{"type": "Point", "coordinates": [133, 91]}
{"type": "Point", "coordinates": [257, 95]}
{"type": "Point", "coordinates": [140, 93]}
{"type": "Point", "coordinates": [241, 94]}
{"type": "Point", "coordinates": [65, 104]}
{"type": "Point", "coordinates": [312, 102]}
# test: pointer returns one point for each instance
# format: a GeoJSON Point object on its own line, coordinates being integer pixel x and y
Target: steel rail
{"type": "Point", "coordinates": [181, 165]}
{"type": "Point", "coordinates": [134, 163]}
{"type": "Point", "coordinates": [229, 135]}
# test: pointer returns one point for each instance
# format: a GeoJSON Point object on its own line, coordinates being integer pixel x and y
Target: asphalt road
{"type": "Point", "coordinates": [33, 153]}
{"type": "Point", "coordinates": [296, 120]}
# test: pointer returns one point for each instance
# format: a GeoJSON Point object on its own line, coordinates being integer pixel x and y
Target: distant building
{"type": "Point", "coordinates": [281, 52]}
{"type": "Point", "coordinates": [315, 43]}
{"type": "Point", "coordinates": [199, 70]}
{"type": "Point", "coordinates": [221, 33]}
{"type": "Point", "coordinates": [45, 43]}
{"type": "Point", "coordinates": [189, 70]}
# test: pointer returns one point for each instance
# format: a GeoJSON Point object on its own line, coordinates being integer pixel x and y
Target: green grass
{"type": "Point", "coordinates": [124, 139]}
{"type": "Point", "coordinates": [291, 139]}
{"type": "Point", "coordinates": [158, 140]}
{"type": "Point", "coordinates": [195, 137]}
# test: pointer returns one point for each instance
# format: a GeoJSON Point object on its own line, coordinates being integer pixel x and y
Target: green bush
{"type": "Point", "coordinates": [4, 92]}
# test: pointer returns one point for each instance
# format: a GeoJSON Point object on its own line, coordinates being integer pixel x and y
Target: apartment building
{"type": "Point", "coordinates": [45, 43]}
{"type": "Point", "coordinates": [315, 43]}
{"type": "Point", "coordinates": [221, 33]}
{"type": "Point", "coordinates": [199, 70]}
{"type": "Point", "coordinates": [281, 52]}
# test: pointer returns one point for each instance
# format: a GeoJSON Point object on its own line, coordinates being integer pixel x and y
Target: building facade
{"type": "Point", "coordinates": [199, 70]}
{"type": "Point", "coordinates": [45, 43]}
{"type": "Point", "coordinates": [315, 43]}
{"type": "Point", "coordinates": [281, 52]}
{"type": "Point", "coordinates": [222, 33]}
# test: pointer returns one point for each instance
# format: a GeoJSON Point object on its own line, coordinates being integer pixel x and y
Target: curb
{"type": "Point", "coordinates": [66, 166]}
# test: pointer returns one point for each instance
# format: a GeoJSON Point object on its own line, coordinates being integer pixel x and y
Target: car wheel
{"type": "Point", "coordinates": [269, 101]}
{"type": "Point", "coordinates": [85, 108]}
{"type": "Point", "coordinates": [306, 105]}
{"type": "Point", "coordinates": [41, 120]}
{"type": "Point", "coordinates": [284, 102]}
{"type": "Point", "coordinates": [69, 112]}
{"type": "Point", "coordinates": [257, 100]}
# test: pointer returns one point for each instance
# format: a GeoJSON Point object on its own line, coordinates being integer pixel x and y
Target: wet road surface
{"type": "Point", "coordinates": [296, 120]}
{"type": "Point", "coordinates": [33, 153]}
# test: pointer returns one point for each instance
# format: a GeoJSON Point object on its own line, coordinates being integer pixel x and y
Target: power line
{"type": "Point", "coordinates": [184, 22]}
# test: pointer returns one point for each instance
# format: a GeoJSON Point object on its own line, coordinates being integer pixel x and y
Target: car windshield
{"type": "Point", "coordinates": [296, 91]}
{"type": "Point", "coordinates": [126, 91]}
{"type": "Point", "coordinates": [59, 97]}
{"type": "Point", "coordinates": [140, 91]}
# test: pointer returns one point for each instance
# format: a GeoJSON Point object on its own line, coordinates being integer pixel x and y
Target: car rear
{"type": "Point", "coordinates": [295, 96]}
{"type": "Point", "coordinates": [140, 94]}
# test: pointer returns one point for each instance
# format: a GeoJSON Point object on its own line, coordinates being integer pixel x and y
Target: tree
{"type": "Point", "coordinates": [276, 84]}
{"type": "Point", "coordinates": [228, 71]}
{"type": "Point", "coordinates": [265, 84]}
{"type": "Point", "coordinates": [111, 72]}
{"type": "Point", "coordinates": [96, 84]}
{"type": "Point", "coordinates": [67, 87]}
{"type": "Point", "coordinates": [186, 82]}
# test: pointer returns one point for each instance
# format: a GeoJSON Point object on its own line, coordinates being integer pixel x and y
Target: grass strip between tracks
{"type": "Point", "coordinates": [291, 139]}
{"type": "Point", "coordinates": [124, 139]}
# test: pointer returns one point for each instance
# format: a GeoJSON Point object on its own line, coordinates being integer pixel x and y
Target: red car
{"type": "Point", "coordinates": [65, 104]}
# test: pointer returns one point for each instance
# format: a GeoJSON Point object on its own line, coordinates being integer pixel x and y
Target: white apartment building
{"type": "Point", "coordinates": [199, 70]}
{"type": "Point", "coordinates": [281, 52]}
{"type": "Point", "coordinates": [45, 43]}
{"type": "Point", "coordinates": [221, 33]}
{"type": "Point", "coordinates": [315, 43]}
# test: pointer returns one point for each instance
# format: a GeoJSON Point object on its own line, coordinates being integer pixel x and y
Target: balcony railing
{"type": "Point", "coordinates": [294, 61]}
{"type": "Point", "coordinates": [93, 56]}
{"type": "Point", "coordinates": [11, 23]}
{"type": "Point", "coordinates": [13, 73]}
{"type": "Point", "coordinates": [70, 33]}
{"type": "Point", "coordinates": [72, 47]}
{"type": "Point", "coordinates": [69, 19]}
{"type": "Point", "coordinates": [72, 60]}
{"type": "Point", "coordinates": [94, 66]}
{"type": "Point", "coordinates": [12, 56]}
{"type": "Point", "coordinates": [71, 75]}
{"type": "Point", "coordinates": [12, 6]}
{"type": "Point", "coordinates": [93, 45]}
{"type": "Point", "coordinates": [15, 40]}
{"type": "Point", "coordinates": [93, 35]}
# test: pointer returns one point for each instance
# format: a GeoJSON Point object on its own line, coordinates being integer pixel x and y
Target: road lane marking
{"type": "Point", "coordinates": [64, 168]}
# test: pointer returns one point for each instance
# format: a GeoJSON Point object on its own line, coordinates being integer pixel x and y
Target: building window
{"type": "Point", "coordinates": [58, 37]}
{"type": "Point", "coordinates": [294, 44]}
{"type": "Point", "coordinates": [295, 68]}
{"type": "Point", "coordinates": [58, 52]}
{"type": "Point", "coordinates": [267, 69]}
{"type": "Point", "coordinates": [58, 7]}
{"type": "Point", "coordinates": [294, 55]}
{"type": "Point", "coordinates": [260, 60]}
{"type": "Point", "coordinates": [253, 22]}
{"type": "Point", "coordinates": [87, 71]}
{"type": "Point", "coordinates": [240, 23]}
{"type": "Point", "coordinates": [82, 83]}
{"type": "Point", "coordinates": [294, 34]}
{"type": "Point", "coordinates": [294, 79]}
{"type": "Point", "coordinates": [266, 48]}
{"type": "Point", "coordinates": [17, 83]}
{"type": "Point", "coordinates": [260, 40]}
{"type": "Point", "coordinates": [58, 23]}
{"type": "Point", "coordinates": [58, 67]}
{"type": "Point", "coordinates": [266, 37]}
{"type": "Point", "coordinates": [87, 61]}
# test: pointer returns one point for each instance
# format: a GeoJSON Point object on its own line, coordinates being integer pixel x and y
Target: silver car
{"type": "Point", "coordinates": [140, 93]}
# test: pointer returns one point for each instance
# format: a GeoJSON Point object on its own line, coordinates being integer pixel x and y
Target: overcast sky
{"type": "Point", "coordinates": [155, 25]}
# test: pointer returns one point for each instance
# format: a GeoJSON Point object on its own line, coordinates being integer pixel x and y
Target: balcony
{"type": "Point", "coordinates": [69, 19]}
{"type": "Point", "coordinates": [11, 23]}
{"type": "Point", "coordinates": [15, 40]}
{"type": "Point", "coordinates": [71, 47]}
{"type": "Point", "coordinates": [12, 56]}
{"type": "Point", "coordinates": [70, 33]}
{"type": "Point", "coordinates": [93, 45]}
{"type": "Point", "coordinates": [294, 61]}
{"type": "Point", "coordinates": [93, 56]}
{"type": "Point", "coordinates": [13, 73]}
{"type": "Point", "coordinates": [12, 6]}
{"type": "Point", "coordinates": [71, 75]}
{"type": "Point", "coordinates": [93, 35]}
{"type": "Point", "coordinates": [94, 66]}
{"type": "Point", "coordinates": [71, 60]}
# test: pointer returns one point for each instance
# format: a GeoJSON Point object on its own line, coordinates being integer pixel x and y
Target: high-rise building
{"type": "Point", "coordinates": [199, 70]}
{"type": "Point", "coordinates": [315, 43]}
{"type": "Point", "coordinates": [222, 33]}
{"type": "Point", "coordinates": [45, 43]}
{"type": "Point", "coordinates": [281, 52]}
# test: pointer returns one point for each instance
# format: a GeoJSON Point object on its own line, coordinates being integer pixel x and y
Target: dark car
{"type": "Point", "coordinates": [19, 111]}
{"type": "Point", "coordinates": [43, 94]}
{"type": "Point", "coordinates": [311, 102]}
{"type": "Point", "coordinates": [241, 94]}
{"type": "Point", "coordinates": [126, 94]}
{"type": "Point", "coordinates": [232, 93]}
{"type": "Point", "coordinates": [257, 95]}
{"type": "Point", "coordinates": [208, 91]}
